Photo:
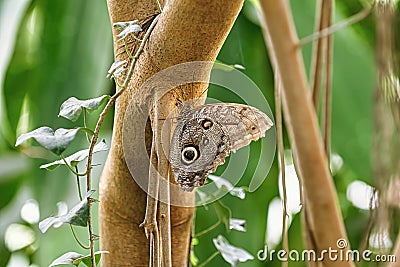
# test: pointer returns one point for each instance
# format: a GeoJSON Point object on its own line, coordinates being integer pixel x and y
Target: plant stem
{"type": "Point", "coordinates": [78, 184]}
{"type": "Point", "coordinates": [70, 167]}
{"type": "Point", "coordinates": [76, 238]}
{"type": "Point", "coordinates": [302, 128]}
{"type": "Point", "coordinates": [281, 149]}
{"type": "Point", "coordinates": [103, 114]}
{"type": "Point", "coordinates": [338, 26]}
{"type": "Point", "coordinates": [204, 263]}
{"type": "Point", "coordinates": [159, 6]}
{"type": "Point", "coordinates": [85, 123]}
{"type": "Point", "coordinates": [127, 50]}
{"type": "Point", "coordinates": [205, 231]}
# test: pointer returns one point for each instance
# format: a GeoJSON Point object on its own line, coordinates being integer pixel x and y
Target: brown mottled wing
{"type": "Point", "coordinates": [231, 126]}
{"type": "Point", "coordinates": [243, 123]}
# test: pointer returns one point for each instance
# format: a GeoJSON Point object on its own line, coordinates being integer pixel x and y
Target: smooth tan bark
{"type": "Point", "coordinates": [302, 126]}
{"type": "Point", "coordinates": [186, 31]}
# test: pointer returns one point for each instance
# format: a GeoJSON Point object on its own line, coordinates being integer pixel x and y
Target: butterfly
{"type": "Point", "coordinates": [205, 136]}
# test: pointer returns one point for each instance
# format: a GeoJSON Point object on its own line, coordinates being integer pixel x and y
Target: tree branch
{"type": "Point", "coordinates": [302, 127]}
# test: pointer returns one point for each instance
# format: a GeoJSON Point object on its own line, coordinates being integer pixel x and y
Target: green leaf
{"type": "Point", "coordinates": [87, 260]}
{"type": "Point", "coordinates": [223, 213]}
{"type": "Point", "coordinates": [71, 109]}
{"type": "Point", "coordinates": [56, 141]}
{"type": "Point", "coordinates": [75, 158]}
{"type": "Point", "coordinates": [78, 215]}
{"type": "Point", "coordinates": [66, 259]}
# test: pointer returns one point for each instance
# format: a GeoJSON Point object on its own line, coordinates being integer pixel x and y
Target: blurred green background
{"type": "Point", "coordinates": [53, 49]}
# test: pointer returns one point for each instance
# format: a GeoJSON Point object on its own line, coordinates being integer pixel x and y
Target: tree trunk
{"type": "Point", "coordinates": [186, 31]}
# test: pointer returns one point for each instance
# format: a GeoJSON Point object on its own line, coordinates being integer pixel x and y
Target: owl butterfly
{"type": "Point", "coordinates": [205, 136]}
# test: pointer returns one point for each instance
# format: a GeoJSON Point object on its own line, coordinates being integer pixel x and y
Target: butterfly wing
{"type": "Point", "coordinates": [243, 123]}
{"type": "Point", "coordinates": [205, 135]}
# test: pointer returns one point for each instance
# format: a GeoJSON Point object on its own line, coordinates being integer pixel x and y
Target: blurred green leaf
{"type": "Point", "coordinates": [75, 158]}
{"type": "Point", "coordinates": [4, 252]}
{"type": "Point", "coordinates": [12, 170]}
{"type": "Point", "coordinates": [8, 189]}
{"type": "Point", "coordinates": [78, 215]}
{"type": "Point", "coordinates": [71, 109]}
{"type": "Point", "coordinates": [62, 49]}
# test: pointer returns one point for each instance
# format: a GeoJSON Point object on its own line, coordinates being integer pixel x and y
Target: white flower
{"type": "Point", "coordinates": [237, 224]}
{"type": "Point", "coordinates": [234, 191]}
{"type": "Point", "coordinates": [231, 254]}
{"type": "Point", "coordinates": [133, 28]}
{"type": "Point", "coordinates": [116, 68]}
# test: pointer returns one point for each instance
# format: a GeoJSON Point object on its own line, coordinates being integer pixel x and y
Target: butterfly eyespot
{"type": "Point", "coordinates": [206, 124]}
{"type": "Point", "coordinates": [189, 154]}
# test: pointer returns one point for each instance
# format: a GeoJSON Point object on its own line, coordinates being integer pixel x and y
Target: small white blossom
{"type": "Point", "coordinates": [234, 191]}
{"type": "Point", "coordinates": [123, 24]}
{"type": "Point", "coordinates": [232, 255]}
{"type": "Point", "coordinates": [130, 29]}
{"type": "Point", "coordinates": [237, 224]}
{"type": "Point", "coordinates": [116, 68]}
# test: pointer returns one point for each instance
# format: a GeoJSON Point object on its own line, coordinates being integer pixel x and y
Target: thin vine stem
{"type": "Point", "coordinates": [210, 228]}
{"type": "Point", "coordinates": [78, 184]}
{"type": "Point", "coordinates": [207, 261]}
{"type": "Point", "coordinates": [95, 136]}
{"type": "Point", "coordinates": [70, 167]}
{"type": "Point", "coordinates": [127, 50]}
{"type": "Point", "coordinates": [85, 122]}
{"type": "Point", "coordinates": [136, 38]}
{"type": "Point", "coordinates": [76, 238]}
{"type": "Point", "coordinates": [338, 26]}
{"type": "Point", "coordinates": [281, 149]}
{"type": "Point", "coordinates": [159, 6]}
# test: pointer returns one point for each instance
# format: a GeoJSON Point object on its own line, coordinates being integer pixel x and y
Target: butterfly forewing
{"type": "Point", "coordinates": [205, 135]}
